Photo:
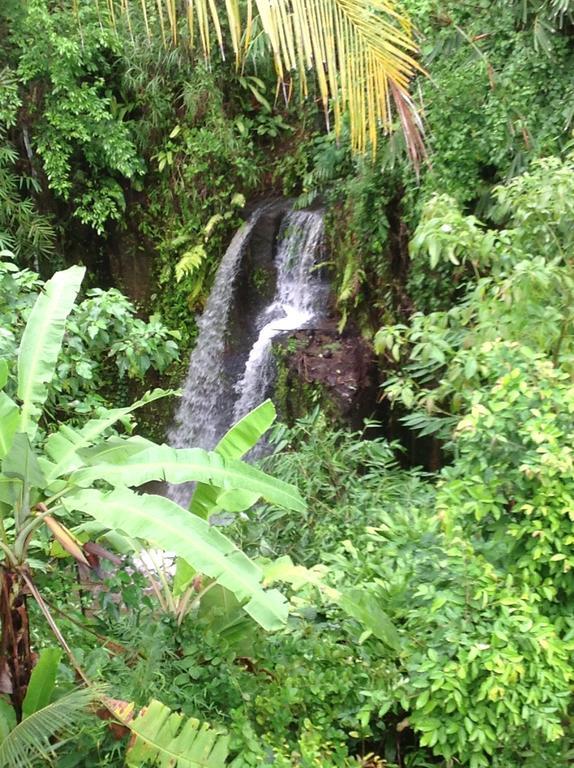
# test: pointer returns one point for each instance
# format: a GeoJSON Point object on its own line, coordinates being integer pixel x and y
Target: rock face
{"type": "Point", "coordinates": [320, 365]}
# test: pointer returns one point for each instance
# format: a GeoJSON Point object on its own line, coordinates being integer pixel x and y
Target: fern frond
{"type": "Point", "coordinates": [190, 262]}
{"type": "Point", "coordinates": [30, 741]}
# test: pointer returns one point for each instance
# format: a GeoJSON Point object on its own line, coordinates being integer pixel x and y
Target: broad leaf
{"type": "Point", "coordinates": [167, 739]}
{"type": "Point", "coordinates": [183, 465]}
{"type": "Point", "coordinates": [42, 681]}
{"type": "Point", "coordinates": [21, 463]}
{"type": "Point", "coordinates": [42, 341]}
{"type": "Point", "coordinates": [235, 500]}
{"type": "Point", "coordinates": [240, 439]}
{"type": "Point", "coordinates": [244, 435]}
{"type": "Point", "coordinates": [184, 575]}
{"type": "Point", "coordinates": [63, 445]}
{"type": "Point", "coordinates": [9, 418]}
{"type": "Point", "coordinates": [7, 718]}
{"type": "Point", "coordinates": [168, 526]}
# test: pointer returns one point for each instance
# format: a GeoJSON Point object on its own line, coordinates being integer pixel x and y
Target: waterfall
{"type": "Point", "coordinates": [200, 420]}
{"type": "Point", "coordinates": [299, 297]}
{"type": "Point", "coordinates": [214, 396]}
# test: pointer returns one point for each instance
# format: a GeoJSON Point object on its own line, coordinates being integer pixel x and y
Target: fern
{"type": "Point", "coordinates": [190, 262]}
{"type": "Point", "coordinates": [169, 740]}
{"type": "Point", "coordinates": [30, 741]}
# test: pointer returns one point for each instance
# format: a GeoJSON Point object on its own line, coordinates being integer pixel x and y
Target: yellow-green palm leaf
{"type": "Point", "coordinates": [361, 53]}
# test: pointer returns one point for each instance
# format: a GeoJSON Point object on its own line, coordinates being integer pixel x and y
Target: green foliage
{"type": "Point", "coordinates": [520, 294]}
{"type": "Point", "coordinates": [31, 742]}
{"type": "Point", "coordinates": [238, 441]}
{"type": "Point", "coordinates": [64, 70]}
{"type": "Point", "coordinates": [491, 374]}
{"type": "Point", "coordinates": [57, 481]}
{"type": "Point", "coordinates": [105, 340]}
{"type": "Point", "coordinates": [483, 665]}
{"type": "Point", "coordinates": [203, 165]}
{"type": "Point", "coordinates": [42, 681]}
{"type": "Point", "coordinates": [23, 229]}
{"type": "Point", "coordinates": [514, 473]}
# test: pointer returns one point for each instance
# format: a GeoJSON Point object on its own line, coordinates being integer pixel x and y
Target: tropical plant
{"type": "Point", "coordinates": [42, 732]}
{"type": "Point", "coordinates": [361, 55]}
{"type": "Point", "coordinates": [165, 738]}
{"type": "Point", "coordinates": [515, 284]}
{"type": "Point", "coordinates": [36, 488]}
{"type": "Point", "coordinates": [105, 343]}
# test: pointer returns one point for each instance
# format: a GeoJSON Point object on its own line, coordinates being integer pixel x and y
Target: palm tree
{"type": "Point", "coordinates": [361, 53]}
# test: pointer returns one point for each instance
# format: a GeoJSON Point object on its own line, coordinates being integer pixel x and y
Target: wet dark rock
{"type": "Point", "coordinates": [340, 366]}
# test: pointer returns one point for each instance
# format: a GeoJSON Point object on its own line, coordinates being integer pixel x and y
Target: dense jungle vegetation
{"type": "Point", "coordinates": [363, 607]}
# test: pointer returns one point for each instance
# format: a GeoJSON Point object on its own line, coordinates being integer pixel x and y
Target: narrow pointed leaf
{"type": "Point", "coordinates": [42, 681]}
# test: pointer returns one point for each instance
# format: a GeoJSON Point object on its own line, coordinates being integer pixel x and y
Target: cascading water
{"type": "Point", "coordinates": [299, 297]}
{"type": "Point", "coordinates": [214, 396]}
{"type": "Point", "coordinates": [201, 415]}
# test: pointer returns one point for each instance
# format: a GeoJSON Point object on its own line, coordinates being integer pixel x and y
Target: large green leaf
{"type": "Point", "coordinates": [247, 432]}
{"type": "Point", "coordinates": [42, 341]}
{"type": "Point", "coordinates": [9, 418]}
{"type": "Point", "coordinates": [173, 465]}
{"type": "Point", "coordinates": [240, 439]}
{"type": "Point", "coordinates": [168, 526]}
{"type": "Point", "coordinates": [169, 740]}
{"type": "Point", "coordinates": [42, 681]}
{"type": "Point", "coordinates": [21, 463]}
{"type": "Point", "coordinates": [63, 446]}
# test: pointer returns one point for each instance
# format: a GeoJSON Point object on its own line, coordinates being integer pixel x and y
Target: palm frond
{"type": "Point", "coordinates": [30, 742]}
{"type": "Point", "coordinates": [361, 54]}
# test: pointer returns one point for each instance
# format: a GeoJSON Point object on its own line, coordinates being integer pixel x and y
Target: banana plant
{"type": "Point", "coordinates": [180, 592]}
{"type": "Point", "coordinates": [46, 480]}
